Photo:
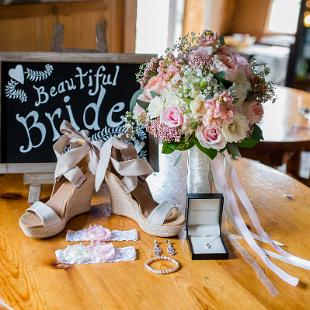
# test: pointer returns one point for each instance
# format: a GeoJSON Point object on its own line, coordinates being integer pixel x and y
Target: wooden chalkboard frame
{"type": "Point", "coordinates": [45, 169]}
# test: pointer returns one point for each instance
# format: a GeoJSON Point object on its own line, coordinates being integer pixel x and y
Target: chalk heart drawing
{"type": "Point", "coordinates": [17, 74]}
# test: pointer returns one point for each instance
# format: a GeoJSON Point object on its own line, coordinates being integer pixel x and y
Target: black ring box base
{"type": "Point", "coordinates": [206, 256]}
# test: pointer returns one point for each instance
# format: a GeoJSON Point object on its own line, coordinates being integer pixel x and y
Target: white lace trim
{"type": "Point", "coordinates": [100, 233]}
{"type": "Point", "coordinates": [95, 253]}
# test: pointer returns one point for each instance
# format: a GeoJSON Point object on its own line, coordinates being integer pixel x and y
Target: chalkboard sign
{"type": "Point", "coordinates": [38, 91]}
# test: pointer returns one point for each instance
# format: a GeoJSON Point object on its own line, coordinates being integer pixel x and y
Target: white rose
{"type": "Point", "coordinates": [197, 106]}
{"type": "Point", "coordinates": [237, 129]}
{"type": "Point", "coordinates": [240, 88]}
{"type": "Point", "coordinates": [171, 99]}
{"type": "Point", "coordinates": [155, 107]}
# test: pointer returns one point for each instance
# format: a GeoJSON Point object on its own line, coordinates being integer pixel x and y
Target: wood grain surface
{"type": "Point", "coordinates": [30, 280]}
{"type": "Point", "coordinates": [29, 26]}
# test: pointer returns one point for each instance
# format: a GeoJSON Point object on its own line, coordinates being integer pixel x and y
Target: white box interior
{"type": "Point", "coordinates": [204, 226]}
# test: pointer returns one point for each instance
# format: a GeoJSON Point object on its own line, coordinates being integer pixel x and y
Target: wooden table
{"type": "Point", "coordinates": [29, 280]}
{"type": "Point", "coordinates": [286, 131]}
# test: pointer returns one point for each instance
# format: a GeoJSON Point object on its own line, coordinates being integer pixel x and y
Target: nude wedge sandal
{"type": "Point", "coordinates": [73, 187]}
{"type": "Point", "coordinates": [125, 173]}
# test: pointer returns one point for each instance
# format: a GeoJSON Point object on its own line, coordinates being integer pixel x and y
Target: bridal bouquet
{"type": "Point", "coordinates": [201, 93]}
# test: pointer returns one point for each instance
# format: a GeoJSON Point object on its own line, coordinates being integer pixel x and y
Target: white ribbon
{"type": "Point", "coordinates": [220, 174]}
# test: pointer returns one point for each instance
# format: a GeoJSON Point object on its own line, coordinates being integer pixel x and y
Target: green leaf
{"type": "Point", "coordinates": [257, 133]}
{"type": "Point", "coordinates": [144, 105]}
{"type": "Point", "coordinates": [220, 75]}
{"type": "Point", "coordinates": [134, 98]}
{"type": "Point", "coordinates": [221, 78]}
{"type": "Point", "coordinates": [210, 152]}
{"type": "Point", "coordinates": [166, 148]}
{"type": "Point", "coordinates": [154, 94]}
{"type": "Point", "coordinates": [233, 150]}
{"type": "Point", "coordinates": [222, 41]}
{"type": "Point", "coordinates": [256, 136]}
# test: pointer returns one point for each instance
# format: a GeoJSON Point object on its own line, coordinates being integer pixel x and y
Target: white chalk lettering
{"type": "Point", "coordinates": [35, 125]}
{"type": "Point", "coordinates": [42, 95]}
{"type": "Point", "coordinates": [118, 107]}
{"type": "Point", "coordinates": [50, 117]}
{"type": "Point", "coordinates": [95, 107]}
{"type": "Point", "coordinates": [80, 75]}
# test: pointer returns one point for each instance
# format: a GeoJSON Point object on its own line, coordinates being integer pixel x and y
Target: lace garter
{"type": "Point", "coordinates": [100, 233]}
{"type": "Point", "coordinates": [96, 252]}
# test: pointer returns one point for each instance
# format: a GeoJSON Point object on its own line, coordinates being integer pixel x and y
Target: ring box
{"type": "Point", "coordinates": [203, 226]}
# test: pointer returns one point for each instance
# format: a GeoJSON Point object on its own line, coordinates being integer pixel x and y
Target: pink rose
{"type": "Point", "coordinates": [228, 62]}
{"type": "Point", "coordinates": [254, 111]}
{"type": "Point", "coordinates": [172, 117]}
{"type": "Point", "coordinates": [210, 138]}
{"type": "Point", "coordinates": [243, 65]}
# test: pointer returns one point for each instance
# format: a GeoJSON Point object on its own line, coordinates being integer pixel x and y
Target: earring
{"type": "Point", "coordinates": [157, 249]}
{"type": "Point", "coordinates": [170, 248]}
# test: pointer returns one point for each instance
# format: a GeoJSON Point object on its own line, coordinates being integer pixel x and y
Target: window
{"type": "Point", "coordinates": [284, 16]}
{"type": "Point", "coordinates": [152, 26]}
{"type": "Point", "coordinates": [159, 24]}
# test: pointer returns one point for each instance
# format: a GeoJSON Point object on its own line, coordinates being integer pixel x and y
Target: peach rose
{"type": "Point", "coordinates": [172, 116]}
{"type": "Point", "coordinates": [156, 84]}
{"type": "Point", "coordinates": [210, 138]}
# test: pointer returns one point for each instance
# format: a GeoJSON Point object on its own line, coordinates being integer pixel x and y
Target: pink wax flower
{"type": "Point", "coordinates": [97, 232]}
{"type": "Point", "coordinates": [200, 56]}
{"type": "Point", "coordinates": [254, 111]}
{"type": "Point", "coordinates": [172, 117]}
{"type": "Point", "coordinates": [163, 132]}
{"type": "Point", "coordinates": [210, 138]}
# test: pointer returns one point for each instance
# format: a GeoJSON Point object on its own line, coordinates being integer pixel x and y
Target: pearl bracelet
{"type": "Point", "coordinates": [148, 263]}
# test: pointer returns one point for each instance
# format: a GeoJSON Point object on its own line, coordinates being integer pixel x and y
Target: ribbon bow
{"type": "Point", "coordinates": [81, 146]}
{"type": "Point", "coordinates": [130, 167]}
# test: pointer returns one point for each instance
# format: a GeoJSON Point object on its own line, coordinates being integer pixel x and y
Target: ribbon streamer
{"type": "Point", "coordinates": [222, 168]}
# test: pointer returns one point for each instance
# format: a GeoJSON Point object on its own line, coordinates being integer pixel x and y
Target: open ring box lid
{"type": "Point", "coordinates": [203, 226]}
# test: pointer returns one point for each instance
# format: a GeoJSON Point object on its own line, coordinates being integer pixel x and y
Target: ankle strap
{"type": "Point", "coordinates": [81, 146]}
{"type": "Point", "coordinates": [130, 168]}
